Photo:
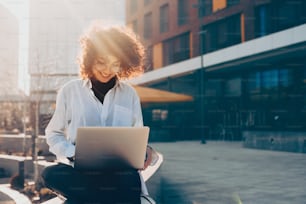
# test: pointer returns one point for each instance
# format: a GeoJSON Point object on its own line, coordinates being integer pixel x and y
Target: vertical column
{"type": "Point", "coordinates": [202, 88]}
{"type": "Point", "coordinates": [21, 172]}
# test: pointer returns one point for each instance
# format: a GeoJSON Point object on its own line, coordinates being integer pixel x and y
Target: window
{"type": "Point", "coordinates": [133, 6]}
{"type": "Point", "coordinates": [278, 95]}
{"type": "Point", "coordinates": [176, 49]}
{"type": "Point", "coordinates": [222, 34]}
{"type": "Point", "coordinates": [164, 18]}
{"type": "Point", "coordinates": [182, 12]}
{"type": "Point", "coordinates": [270, 82]}
{"type": "Point", "coordinates": [232, 2]}
{"type": "Point", "coordinates": [232, 87]}
{"type": "Point", "coordinates": [264, 82]}
{"type": "Point", "coordinates": [205, 7]}
{"type": "Point", "coordinates": [213, 87]}
{"type": "Point", "coordinates": [287, 13]}
{"type": "Point", "coordinates": [159, 115]}
{"type": "Point", "coordinates": [285, 77]}
{"type": "Point", "coordinates": [168, 53]}
{"type": "Point", "coordinates": [202, 36]}
{"type": "Point", "coordinates": [261, 21]}
{"type": "Point", "coordinates": [254, 83]}
{"type": "Point", "coordinates": [269, 79]}
{"type": "Point", "coordinates": [181, 48]}
{"type": "Point", "coordinates": [279, 15]}
{"type": "Point", "coordinates": [147, 26]}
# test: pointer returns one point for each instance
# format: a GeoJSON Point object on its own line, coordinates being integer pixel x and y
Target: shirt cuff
{"type": "Point", "coordinates": [70, 151]}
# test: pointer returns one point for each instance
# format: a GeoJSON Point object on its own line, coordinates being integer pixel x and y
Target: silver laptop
{"type": "Point", "coordinates": [102, 148]}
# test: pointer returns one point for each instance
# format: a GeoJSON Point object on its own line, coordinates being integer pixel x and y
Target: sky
{"type": "Point", "coordinates": [20, 9]}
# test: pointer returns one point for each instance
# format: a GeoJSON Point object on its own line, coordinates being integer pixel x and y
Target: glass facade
{"type": "Point", "coordinates": [204, 7]}
{"type": "Point", "coordinates": [232, 2]}
{"type": "Point", "coordinates": [279, 15]}
{"type": "Point", "coordinates": [221, 34]}
{"type": "Point", "coordinates": [176, 49]}
{"type": "Point", "coordinates": [266, 93]}
{"type": "Point", "coordinates": [270, 97]}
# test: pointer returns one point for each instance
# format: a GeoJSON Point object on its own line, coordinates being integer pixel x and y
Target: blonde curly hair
{"type": "Point", "coordinates": [118, 41]}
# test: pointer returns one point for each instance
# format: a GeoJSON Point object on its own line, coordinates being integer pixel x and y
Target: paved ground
{"type": "Point", "coordinates": [227, 173]}
{"type": "Point", "coordinates": [5, 199]}
{"type": "Point", "coordinates": [10, 196]}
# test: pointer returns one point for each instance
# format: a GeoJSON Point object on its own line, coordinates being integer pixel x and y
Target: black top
{"type": "Point", "coordinates": [100, 89]}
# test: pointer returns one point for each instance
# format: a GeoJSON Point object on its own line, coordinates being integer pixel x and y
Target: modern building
{"type": "Point", "coordinates": [9, 51]}
{"type": "Point", "coordinates": [11, 99]}
{"type": "Point", "coordinates": [55, 28]}
{"type": "Point", "coordinates": [243, 61]}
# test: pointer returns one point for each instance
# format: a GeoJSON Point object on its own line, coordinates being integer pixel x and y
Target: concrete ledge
{"type": "Point", "coordinates": [16, 165]}
{"type": "Point", "coordinates": [275, 140]}
{"type": "Point", "coordinates": [42, 164]}
{"type": "Point", "coordinates": [14, 143]}
{"type": "Point", "coordinates": [16, 196]}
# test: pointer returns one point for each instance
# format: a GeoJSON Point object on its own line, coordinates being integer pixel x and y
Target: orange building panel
{"type": "Point", "coordinates": [191, 44]}
{"type": "Point", "coordinates": [158, 55]}
{"type": "Point", "coordinates": [218, 5]}
{"type": "Point", "coordinates": [242, 28]}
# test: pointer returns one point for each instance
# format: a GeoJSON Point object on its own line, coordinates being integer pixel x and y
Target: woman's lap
{"type": "Point", "coordinates": [107, 186]}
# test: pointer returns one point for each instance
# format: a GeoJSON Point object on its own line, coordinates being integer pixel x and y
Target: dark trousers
{"type": "Point", "coordinates": [92, 186]}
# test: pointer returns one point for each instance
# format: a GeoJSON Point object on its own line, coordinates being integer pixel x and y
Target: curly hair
{"type": "Point", "coordinates": [118, 41]}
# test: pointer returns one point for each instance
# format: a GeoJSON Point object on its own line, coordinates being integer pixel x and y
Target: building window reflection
{"type": "Point", "coordinates": [164, 18]}
{"type": "Point", "coordinates": [279, 15]}
{"type": "Point", "coordinates": [205, 7]}
{"type": "Point", "coordinates": [182, 12]}
{"type": "Point", "coordinates": [232, 2]}
{"type": "Point", "coordinates": [176, 49]}
{"type": "Point", "coordinates": [159, 115]}
{"type": "Point", "coordinates": [147, 33]}
{"type": "Point", "coordinates": [222, 34]}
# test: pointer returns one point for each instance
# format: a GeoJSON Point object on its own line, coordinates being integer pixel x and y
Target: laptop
{"type": "Point", "coordinates": [110, 148]}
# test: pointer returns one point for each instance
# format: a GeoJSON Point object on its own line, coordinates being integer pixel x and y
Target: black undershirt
{"type": "Point", "coordinates": [100, 89]}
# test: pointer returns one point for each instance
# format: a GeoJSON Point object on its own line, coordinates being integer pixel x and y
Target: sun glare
{"type": "Point", "coordinates": [19, 8]}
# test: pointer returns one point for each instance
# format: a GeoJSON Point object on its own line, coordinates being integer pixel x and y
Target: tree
{"type": "Point", "coordinates": [40, 71]}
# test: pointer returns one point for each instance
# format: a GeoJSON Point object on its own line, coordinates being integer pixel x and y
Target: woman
{"type": "Point", "coordinates": [98, 98]}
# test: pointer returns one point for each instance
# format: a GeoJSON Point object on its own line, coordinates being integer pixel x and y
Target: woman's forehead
{"type": "Point", "coordinates": [108, 58]}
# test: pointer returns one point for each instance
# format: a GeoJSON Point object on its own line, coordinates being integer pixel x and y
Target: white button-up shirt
{"type": "Point", "coordinates": [77, 106]}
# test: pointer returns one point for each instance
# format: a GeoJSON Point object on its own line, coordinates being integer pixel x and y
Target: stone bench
{"type": "Point", "coordinates": [18, 143]}
{"type": "Point", "coordinates": [16, 165]}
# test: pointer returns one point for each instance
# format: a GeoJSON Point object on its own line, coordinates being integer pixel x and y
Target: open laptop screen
{"type": "Point", "coordinates": [101, 148]}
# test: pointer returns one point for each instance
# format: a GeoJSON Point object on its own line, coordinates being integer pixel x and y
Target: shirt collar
{"type": "Point", "coordinates": [87, 83]}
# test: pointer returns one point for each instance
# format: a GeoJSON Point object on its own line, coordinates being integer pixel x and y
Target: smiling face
{"type": "Point", "coordinates": [105, 68]}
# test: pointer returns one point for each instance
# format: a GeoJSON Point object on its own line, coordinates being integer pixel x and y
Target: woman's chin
{"type": "Point", "coordinates": [104, 78]}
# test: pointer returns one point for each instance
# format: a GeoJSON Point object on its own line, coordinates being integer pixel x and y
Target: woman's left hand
{"type": "Point", "coordinates": [148, 157]}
